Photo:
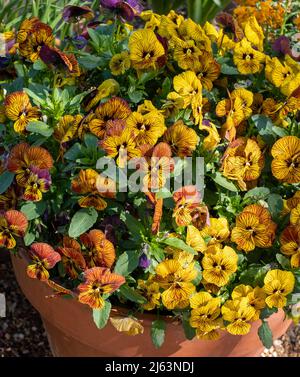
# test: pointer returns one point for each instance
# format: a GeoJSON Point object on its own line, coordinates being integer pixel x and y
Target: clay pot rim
{"type": "Point", "coordinates": [116, 310]}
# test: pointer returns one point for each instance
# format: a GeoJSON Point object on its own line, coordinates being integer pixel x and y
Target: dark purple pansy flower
{"type": "Point", "coordinates": [4, 61]}
{"type": "Point", "coordinates": [282, 45]}
{"type": "Point", "coordinates": [144, 262]}
{"type": "Point", "coordinates": [80, 41]}
{"type": "Point", "coordinates": [109, 224]}
{"type": "Point", "coordinates": [73, 13]}
{"type": "Point", "coordinates": [127, 10]}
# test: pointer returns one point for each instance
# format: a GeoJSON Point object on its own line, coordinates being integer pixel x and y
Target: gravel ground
{"type": "Point", "coordinates": [22, 333]}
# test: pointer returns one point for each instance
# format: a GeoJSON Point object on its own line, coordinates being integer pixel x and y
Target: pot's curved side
{"type": "Point", "coordinates": [71, 331]}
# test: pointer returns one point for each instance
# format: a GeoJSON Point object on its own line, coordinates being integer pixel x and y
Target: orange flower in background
{"type": "Point", "coordinates": [290, 244]}
{"type": "Point", "coordinates": [88, 182]}
{"type": "Point", "coordinates": [182, 139]}
{"type": "Point", "coordinates": [254, 228]}
{"type": "Point", "coordinates": [22, 157]}
{"type": "Point", "coordinates": [98, 281]}
{"type": "Point", "coordinates": [12, 224]}
{"type": "Point", "coordinates": [71, 257]}
{"type": "Point", "coordinates": [286, 162]}
{"type": "Point", "coordinates": [44, 257]}
{"type": "Point", "coordinates": [19, 109]}
{"type": "Point", "coordinates": [114, 109]}
{"type": "Point", "coordinates": [243, 162]}
{"type": "Point", "coordinates": [32, 35]}
{"type": "Point", "coordinates": [99, 252]}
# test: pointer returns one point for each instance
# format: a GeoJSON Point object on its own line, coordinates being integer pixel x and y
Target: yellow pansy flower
{"type": "Point", "coordinates": [278, 284]}
{"type": "Point", "coordinates": [219, 265]}
{"type": "Point", "coordinates": [254, 33]}
{"type": "Point", "coordinates": [176, 282]}
{"type": "Point", "coordinates": [145, 49]}
{"type": "Point", "coordinates": [255, 297]}
{"type": "Point", "coordinates": [247, 59]}
{"type": "Point", "coordinates": [120, 63]}
{"type": "Point", "coordinates": [150, 290]}
{"type": "Point", "coordinates": [238, 313]}
{"type": "Point", "coordinates": [217, 232]}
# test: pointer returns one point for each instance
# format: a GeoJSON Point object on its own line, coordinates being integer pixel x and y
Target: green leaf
{"type": "Point", "coordinates": [132, 295]}
{"type": "Point", "coordinates": [134, 226]}
{"type": "Point", "coordinates": [179, 244]}
{"type": "Point", "coordinates": [275, 204]}
{"type": "Point", "coordinates": [82, 221]}
{"type": "Point", "coordinates": [157, 252]}
{"type": "Point", "coordinates": [89, 61]}
{"type": "Point", "coordinates": [189, 331]}
{"type": "Point", "coordinates": [254, 275]}
{"type": "Point", "coordinates": [127, 262]}
{"type": "Point", "coordinates": [264, 126]}
{"type": "Point", "coordinates": [33, 210]}
{"type": "Point", "coordinates": [229, 70]}
{"type": "Point", "coordinates": [136, 96]}
{"type": "Point", "coordinates": [40, 128]}
{"type": "Point", "coordinates": [39, 65]}
{"type": "Point", "coordinates": [163, 193]}
{"type": "Point", "coordinates": [6, 179]}
{"type": "Point", "coordinates": [101, 316]}
{"type": "Point", "coordinates": [91, 141]}
{"type": "Point", "coordinates": [158, 330]}
{"type": "Point", "coordinates": [224, 182]}
{"type": "Point", "coordinates": [283, 261]}
{"type": "Point", "coordinates": [29, 238]}
{"type": "Point", "coordinates": [265, 334]}
{"type": "Point", "coordinates": [257, 193]}
{"type": "Point", "coordinates": [74, 152]}
{"type": "Point", "coordinates": [267, 312]}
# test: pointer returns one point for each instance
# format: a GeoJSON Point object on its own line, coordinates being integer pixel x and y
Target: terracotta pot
{"type": "Point", "coordinates": [72, 332]}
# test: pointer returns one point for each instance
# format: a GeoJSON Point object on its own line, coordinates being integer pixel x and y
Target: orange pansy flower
{"type": "Point", "coordinates": [99, 252]}
{"type": "Point", "coordinates": [22, 157]}
{"type": "Point", "coordinates": [12, 224]}
{"type": "Point", "coordinates": [71, 257]}
{"type": "Point", "coordinates": [44, 257]}
{"type": "Point", "coordinates": [254, 228]}
{"type": "Point", "coordinates": [98, 281]}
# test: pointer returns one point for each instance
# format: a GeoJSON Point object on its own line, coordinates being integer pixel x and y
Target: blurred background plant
{"type": "Point", "coordinates": [199, 10]}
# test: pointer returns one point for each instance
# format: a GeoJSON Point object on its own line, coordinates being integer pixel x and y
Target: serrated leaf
{"type": "Point", "coordinates": [127, 262]}
{"type": "Point", "coordinates": [179, 244]}
{"type": "Point", "coordinates": [224, 182]}
{"type": "Point", "coordinates": [265, 334]}
{"type": "Point", "coordinates": [132, 295]}
{"type": "Point", "coordinates": [40, 128]}
{"type": "Point", "coordinates": [33, 210]}
{"type": "Point", "coordinates": [6, 179]}
{"type": "Point", "coordinates": [101, 316]}
{"type": "Point", "coordinates": [82, 221]}
{"type": "Point", "coordinates": [158, 330]}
